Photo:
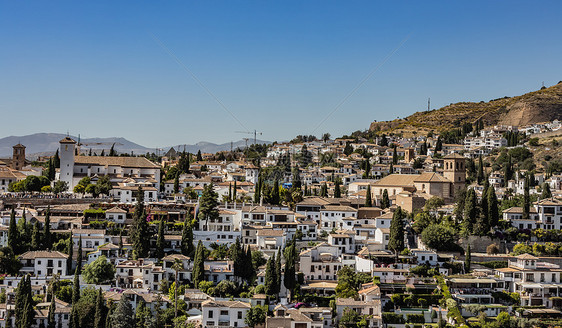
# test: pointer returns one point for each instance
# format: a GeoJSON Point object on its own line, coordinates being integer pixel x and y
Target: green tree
{"type": "Point", "coordinates": [385, 201]}
{"type": "Point", "coordinates": [469, 213]}
{"type": "Point", "coordinates": [198, 274]}
{"type": "Point", "coordinates": [9, 264]}
{"type": "Point", "coordinates": [70, 252]}
{"type": "Point", "coordinates": [368, 200]}
{"type": "Point", "coordinates": [324, 190]}
{"type": "Point", "coordinates": [123, 316]}
{"type": "Point", "coordinates": [13, 233]}
{"type": "Point", "coordinates": [290, 254]}
{"type": "Point", "coordinates": [208, 204]}
{"type": "Point", "coordinates": [187, 247]}
{"type": "Point", "coordinates": [493, 212]}
{"type": "Point", "coordinates": [139, 234]}
{"type": "Point", "coordinates": [24, 312]}
{"type": "Point", "coordinates": [270, 276]}
{"type": "Point", "coordinates": [546, 193]}
{"type": "Point", "coordinates": [177, 183]}
{"type": "Point", "coordinates": [160, 240]}
{"type": "Point", "coordinates": [199, 157]}
{"type": "Point", "coordinates": [526, 199]}
{"type": "Point", "coordinates": [99, 272]}
{"type": "Point", "coordinates": [396, 241]}
{"type": "Point", "coordinates": [256, 315]}
{"type": "Point", "coordinates": [337, 189]}
{"type": "Point", "coordinates": [51, 323]}
{"type": "Point", "coordinates": [480, 173]}
{"type": "Point", "coordinates": [79, 256]}
{"type": "Point", "coordinates": [278, 271]}
{"type": "Point", "coordinates": [348, 149]}
{"type": "Point", "coordinates": [36, 237]}
{"type": "Point", "coordinates": [275, 197]}
{"type": "Point", "coordinates": [47, 239]}
{"type": "Point", "coordinates": [347, 283]}
{"type": "Point", "coordinates": [439, 237]}
{"type": "Point", "coordinates": [76, 288]}
{"type": "Point", "coordinates": [99, 320]}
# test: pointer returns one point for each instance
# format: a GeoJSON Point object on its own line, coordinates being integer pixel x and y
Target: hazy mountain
{"type": "Point", "coordinates": [47, 143]}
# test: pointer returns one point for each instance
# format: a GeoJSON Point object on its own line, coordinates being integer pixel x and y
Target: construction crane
{"type": "Point", "coordinates": [255, 133]}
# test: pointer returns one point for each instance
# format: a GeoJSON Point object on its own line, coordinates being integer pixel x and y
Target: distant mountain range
{"type": "Point", "coordinates": [47, 143]}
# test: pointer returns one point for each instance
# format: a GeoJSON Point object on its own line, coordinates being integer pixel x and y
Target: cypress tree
{"type": "Point", "coordinates": [546, 193]}
{"type": "Point", "coordinates": [324, 190]}
{"type": "Point", "coordinates": [469, 213]}
{"type": "Point", "coordinates": [493, 213]}
{"type": "Point", "coordinates": [99, 320]}
{"type": "Point", "coordinates": [229, 192]}
{"type": "Point", "coordinates": [234, 254]}
{"type": "Point", "coordinates": [394, 155]}
{"type": "Point", "coordinates": [160, 240]}
{"type": "Point", "coordinates": [74, 317]}
{"type": "Point", "coordinates": [250, 270]}
{"type": "Point", "coordinates": [13, 233]}
{"type": "Point", "coordinates": [199, 157]}
{"type": "Point", "coordinates": [56, 160]}
{"type": "Point", "coordinates": [187, 247]}
{"type": "Point", "coordinates": [270, 276]}
{"type": "Point", "coordinates": [21, 298]}
{"type": "Point", "coordinates": [368, 200]}
{"type": "Point", "coordinates": [76, 288]}
{"type": "Point", "coordinates": [480, 174]}
{"type": "Point", "coordinates": [140, 236]}
{"type": "Point", "coordinates": [198, 274]}
{"type": "Point", "coordinates": [257, 190]}
{"type": "Point", "coordinates": [234, 191]}
{"type": "Point", "coordinates": [438, 144]}
{"type": "Point", "coordinates": [337, 190]}
{"type": "Point", "coordinates": [396, 241]}
{"type": "Point", "coordinates": [47, 240]}
{"type": "Point", "coordinates": [177, 183]}
{"type": "Point", "coordinates": [385, 202]}
{"type": "Point", "coordinates": [275, 198]}
{"type": "Point", "coordinates": [35, 237]}
{"type": "Point", "coordinates": [289, 280]}
{"type": "Point", "coordinates": [79, 256]}
{"type": "Point", "coordinates": [526, 199]}
{"type": "Point", "coordinates": [70, 252]}
{"type": "Point", "coordinates": [51, 323]}
{"type": "Point", "coordinates": [508, 170]}
{"type": "Point", "coordinates": [278, 271]}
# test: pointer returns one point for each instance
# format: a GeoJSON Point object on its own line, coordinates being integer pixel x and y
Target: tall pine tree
{"type": "Point", "coordinates": [47, 239]}
{"type": "Point", "coordinates": [13, 233]}
{"type": "Point", "coordinates": [368, 200]}
{"type": "Point", "coordinates": [139, 234]}
{"type": "Point", "coordinates": [160, 240]}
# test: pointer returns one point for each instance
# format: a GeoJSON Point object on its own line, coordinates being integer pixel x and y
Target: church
{"type": "Point", "coordinates": [120, 169]}
{"type": "Point", "coordinates": [429, 183]}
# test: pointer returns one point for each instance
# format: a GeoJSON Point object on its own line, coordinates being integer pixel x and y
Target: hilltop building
{"type": "Point", "coordinates": [74, 167]}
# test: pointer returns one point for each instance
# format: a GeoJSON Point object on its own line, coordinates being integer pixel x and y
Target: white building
{"type": "Point", "coordinates": [43, 263]}
{"type": "Point", "coordinates": [224, 314]}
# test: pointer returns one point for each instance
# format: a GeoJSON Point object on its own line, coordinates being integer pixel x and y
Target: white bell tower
{"type": "Point", "coordinates": [66, 151]}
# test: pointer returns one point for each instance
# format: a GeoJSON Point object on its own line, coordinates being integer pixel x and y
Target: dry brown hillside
{"type": "Point", "coordinates": [533, 107]}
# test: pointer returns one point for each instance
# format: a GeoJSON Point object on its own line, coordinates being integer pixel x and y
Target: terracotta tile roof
{"type": "Point", "coordinates": [135, 162]}
{"type": "Point", "coordinates": [31, 255]}
{"type": "Point", "coordinates": [397, 180]}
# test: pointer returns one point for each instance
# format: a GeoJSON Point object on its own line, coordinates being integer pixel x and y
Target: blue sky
{"type": "Point", "coordinates": [93, 68]}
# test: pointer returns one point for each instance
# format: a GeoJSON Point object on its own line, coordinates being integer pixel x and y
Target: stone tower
{"type": "Point", "coordinates": [409, 154]}
{"type": "Point", "coordinates": [455, 171]}
{"type": "Point", "coordinates": [18, 158]}
{"type": "Point", "coordinates": [66, 151]}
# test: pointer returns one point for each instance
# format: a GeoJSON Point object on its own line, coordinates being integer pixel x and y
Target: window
{"type": "Point", "coordinates": [239, 314]}
{"type": "Point", "coordinates": [210, 314]}
{"type": "Point", "coordinates": [223, 312]}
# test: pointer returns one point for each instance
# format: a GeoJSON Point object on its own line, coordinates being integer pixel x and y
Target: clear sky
{"type": "Point", "coordinates": [93, 67]}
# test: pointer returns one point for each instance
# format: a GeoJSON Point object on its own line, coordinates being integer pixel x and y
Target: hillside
{"type": "Point", "coordinates": [533, 107]}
